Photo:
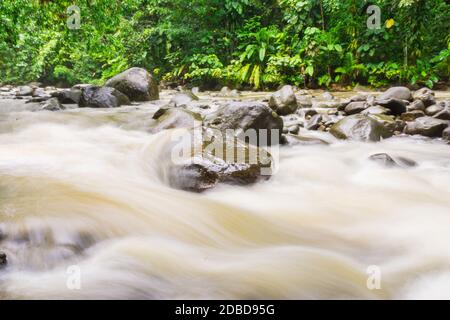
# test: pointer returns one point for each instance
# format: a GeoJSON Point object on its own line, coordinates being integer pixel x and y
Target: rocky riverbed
{"type": "Point", "coordinates": [355, 179]}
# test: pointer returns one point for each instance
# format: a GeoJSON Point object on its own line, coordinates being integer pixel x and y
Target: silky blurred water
{"type": "Point", "coordinates": [83, 187]}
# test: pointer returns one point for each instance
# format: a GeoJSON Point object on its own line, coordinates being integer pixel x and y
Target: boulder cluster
{"type": "Point", "coordinates": [235, 125]}
{"type": "Point", "coordinates": [135, 84]}
{"type": "Point", "coordinates": [365, 117]}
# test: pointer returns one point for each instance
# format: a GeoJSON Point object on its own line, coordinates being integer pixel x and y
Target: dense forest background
{"type": "Point", "coordinates": [255, 44]}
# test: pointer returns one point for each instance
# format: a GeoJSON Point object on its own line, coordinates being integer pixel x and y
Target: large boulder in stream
{"type": "Point", "coordinates": [401, 93]}
{"type": "Point", "coordinates": [102, 97]}
{"type": "Point", "coordinates": [69, 96]}
{"type": "Point", "coordinates": [284, 101]}
{"type": "Point", "coordinates": [248, 119]}
{"type": "Point", "coordinates": [360, 127]}
{"type": "Point", "coordinates": [427, 126]}
{"type": "Point", "coordinates": [209, 157]}
{"type": "Point", "coordinates": [136, 83]}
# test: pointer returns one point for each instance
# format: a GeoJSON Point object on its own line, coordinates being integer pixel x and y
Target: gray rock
{"type": "Point", "coordinates": [195, 90]}
{"type": "Point", "coordinates": [359, 127]}
{"type": "Point", "coordinates": [329, 120]}
{"type": "Point", "coordinates": [39, 99]}
{"type": "Point", "coordinates": [412, 115]}
{"type": "Point", "coordinates": [400, 93]}
{"type": "Point", "coordinates": [426, 126]}
{"type": "Point", "coordinates": [446, 134]}
{"type": "Point", "coordinates": [425, 95]}
{"type": "Point", "coordinates": [284, 101]}
{"type": "Point", "coordinates": [136, 83]}
{"type": "Point", "coordinates": [416, 105]}
{"type": "Point", "coordinates": [314, 122]}
{"type": "Point", "coordinates": [242, 116]}
{"type": "Point", "coordinates": [24, 91]}
{"type": "Point", "coordinates": [69, 96]}
{"type": "Point", "coordinates": [376, 110]}
{"type": "Point", "coordinates": [399, 126]}
{"type": "Point", "coordinates": [360, 97]}
{"type": "Point", "coordinates": [387, 121]}
{"type": "Point", "coordinates": [35, 84]}
{"type": "Point", "coordinates": [39, 92]}
{"type": "Point", "coordinates": [443, 115]}
{"type": "Point", "coordinates": [396, 106]}
{"type": "Point", "coordinates": [434, 109]}
{"type": "Point", "coordinates": [333, 104]}
{"type": "Point", "coordinates": [309, 112]}
{"type": "Point", "coordinates": [175, 118]}
{"type": "Point", "coordinates": [235, 93]}
{"type": "Point", "coordinates": [52, 105]}
{"type": "Point", "coordinates": [356, 107]}
{"type": "Point", "coordinates": [39, 95]}
{"type": "Point", "coordinates": [235, 163]}
{"type": "Point", "coordinates": [81, 86]}
{"type": "Point", "coordinates": [388, 161]}
{"type": "Point", "coordinates": [224, 92]}
{"type": "Point", "coordinates": [303, 140]}
{"type": "Point", "coordinates": [102, 97]}
{"type": "Point", "coordinates": [183, 99]}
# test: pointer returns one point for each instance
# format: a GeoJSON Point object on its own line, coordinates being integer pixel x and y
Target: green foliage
{"type": "Point", "coordinates": [200, 69]}
{"type": "Point", "coordinates": [250, 43]}
{"type": "Point", "coordinates": [258, 44]}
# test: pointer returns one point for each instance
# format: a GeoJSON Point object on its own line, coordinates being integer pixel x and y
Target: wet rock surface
{"type": "Point", "coordinates": [446, 134]}
{"type": "Point", "coordinates": [242, 116]}
{"type": "Point", "coordinates": [426, 126]}
{"type": "Point", "coordinates": [396, 106]}
{"type": "Point", "coordinates": [388, 161]}
{"type": "Point", "coordinates": [284, 101]}
{"type": "Point", "coordinates": [69, 96]}
{"type": "Point", "coordinates": [136, 83]}
{"type": "Point", "coordinates": [102, 97]}
{"type": "Point", "coordinates": [412, 115]}
{"type": "Point", "coordinates": [400, 93]}
{"type": "Point", "coordinates": [360, 127]}
{"type": "Point", "coordinates": [215, 158]}
{"type": "Point", "coordinates": [356, 107]}
{"type": "Point", "coordinates": [426, 96]}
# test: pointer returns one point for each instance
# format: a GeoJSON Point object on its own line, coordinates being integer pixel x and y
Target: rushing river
{"type": "Point", "coordinates": [82, 188]}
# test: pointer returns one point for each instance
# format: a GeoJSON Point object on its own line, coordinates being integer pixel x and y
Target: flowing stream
{"type": "Point", "coordinates": [81, 188]}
